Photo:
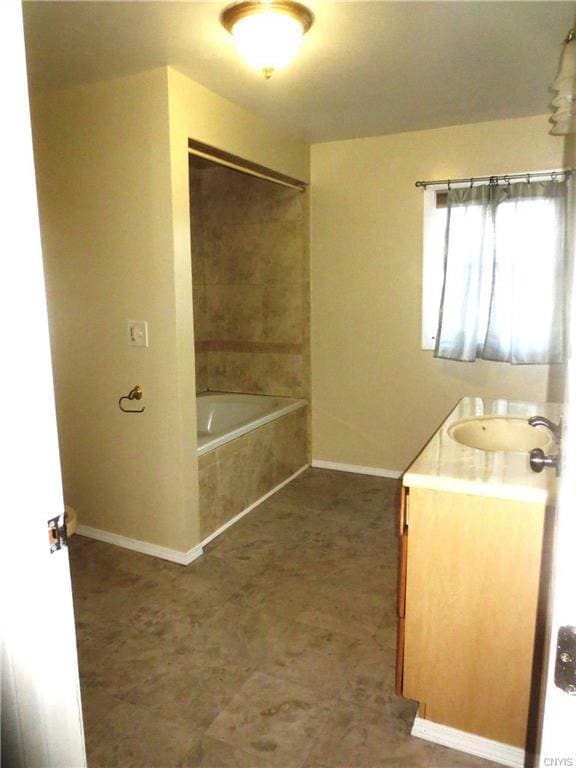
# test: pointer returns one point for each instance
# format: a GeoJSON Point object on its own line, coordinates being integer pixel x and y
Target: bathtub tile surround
{"type": "Point", "coordinates": [236, 475]}
{"type": "Point", "coordinates": [280, 373]}
{"type": "Point", "coordinates": [252, 657]}
{"type": "Point", "coordinates": [250, 269]}
{"type": "Point", "coordinates": [198, 292]}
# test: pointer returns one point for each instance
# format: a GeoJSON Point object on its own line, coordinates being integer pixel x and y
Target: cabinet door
{"type": "Point", "coordinates": [471, 610]}
{"type": "Point", "coordinates": [402, 570]}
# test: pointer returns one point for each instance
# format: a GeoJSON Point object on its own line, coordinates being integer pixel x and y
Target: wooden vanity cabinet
{"type": "Point", "coordinates": [468, 598]}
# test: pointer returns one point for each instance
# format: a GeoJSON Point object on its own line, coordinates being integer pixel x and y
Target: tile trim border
{"type": "Point", "coordinates": [505, 754]}
{"type": "Point", "coordinates": [249, 347]}
{"type": "Point", "coordinates": [358, 469]}
{"type": "Point", "coordinates": [257, 503]}
{"type": "Point", "coordinates": [144, 547]}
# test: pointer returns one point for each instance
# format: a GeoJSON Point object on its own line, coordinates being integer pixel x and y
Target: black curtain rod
{"type": "Point", "coordinates": [496, 179]}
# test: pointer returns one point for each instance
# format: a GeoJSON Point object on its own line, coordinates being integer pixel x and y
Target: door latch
{"type": "Point", "coordinates": [57, 534]}
{"type": "Point", "coordinates": [565, 670]}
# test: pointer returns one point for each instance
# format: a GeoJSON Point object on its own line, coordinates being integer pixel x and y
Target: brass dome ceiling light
{"type": "Point", "coordinates": [267, 33]}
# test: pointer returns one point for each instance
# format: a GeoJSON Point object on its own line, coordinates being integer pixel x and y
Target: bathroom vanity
{"type": "Point", "coordinates": [472, 527]}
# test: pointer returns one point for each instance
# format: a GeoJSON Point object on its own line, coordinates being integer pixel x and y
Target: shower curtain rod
{"type": "Point", "coordinates": [495, 179]}
{"type": "Point", "coordinates": [227, 159]}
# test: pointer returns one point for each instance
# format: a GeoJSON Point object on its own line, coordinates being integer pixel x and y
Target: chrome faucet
{"type": "Point", "coordinates": [538, 459]}
{"type": "Point", "coordinates": [542, 421]}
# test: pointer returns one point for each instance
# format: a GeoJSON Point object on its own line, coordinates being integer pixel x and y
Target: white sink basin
{"type": "Point", "coordinates": [499, 433]}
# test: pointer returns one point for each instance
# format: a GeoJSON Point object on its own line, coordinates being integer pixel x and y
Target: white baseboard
{"type": "Point", "coordinates": [357, 469]}
{"type": "Point", "coordinates": [244, 512]}
{"type": "Point", "coordinates": [469, 743]}
{"type": "Point", "coordinates": [182, 558]}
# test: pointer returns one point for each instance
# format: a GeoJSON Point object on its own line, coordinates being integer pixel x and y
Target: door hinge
{"type": "Point", "coordinates": [57, 534]}
{"type": "Point", "coordinates": [565, 670]}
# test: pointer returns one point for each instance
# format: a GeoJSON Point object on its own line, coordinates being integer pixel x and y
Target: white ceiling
{"type": "Point", "coordinates": [365, 68]}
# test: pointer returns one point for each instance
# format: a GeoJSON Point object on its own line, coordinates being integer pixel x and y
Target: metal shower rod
{"type": "Point", "coordinates": [496, 179]}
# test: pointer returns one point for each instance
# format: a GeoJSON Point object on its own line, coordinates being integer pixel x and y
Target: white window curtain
{"type": "Point", "coordinates": [504, 273]}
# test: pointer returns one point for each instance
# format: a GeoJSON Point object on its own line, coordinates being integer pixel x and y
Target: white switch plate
{"type": "Point", "coordinates": [137, 333]}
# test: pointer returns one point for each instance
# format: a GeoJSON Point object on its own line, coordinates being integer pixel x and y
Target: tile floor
{"type": "Point", "coordinates": [273, 650]}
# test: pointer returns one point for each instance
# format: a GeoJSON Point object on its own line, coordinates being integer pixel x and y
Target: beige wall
{"type": "Point", "coordinates": [102, 160]}
{"type": "Point", "coordinates": [112, 167]}
{"type": "Point", "coordinates": [251, 284]}
{"type": "Point", "coordinates": [377, 397]}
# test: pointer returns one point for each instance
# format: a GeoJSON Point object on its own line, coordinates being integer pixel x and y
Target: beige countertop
{"type": "Point", "coordinates": [446, 465]}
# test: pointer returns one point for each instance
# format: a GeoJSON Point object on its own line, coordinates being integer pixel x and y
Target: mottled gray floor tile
{"type": "Point", "coordinates": [353, 612]}
{"type": "Point", "coordinates": [213, 753]}
{"type": "Point", "coordinates": [369, 737]}
{"type": "Point", "coordinates": [316, 489]}
{"type": "Point", "coordinates": [208, 582]}
{"type": "Point", "coordinates": [133, 736]}
{"type": "Point", "coordinates": [249, 555]}
{"type": "Point", "coordinates": [181, 690]}
{"type": "Point", "coordinates": [275, 649]}
{"type": "Point", "coordinates": [236, 633]}
{"type": "Point", "coordinates": [442, 757]}
{"type": "Point", "coordinates": [272, 718]}
{"type": "Point", "coordinates": [317, 658]}
{"type": "Point", "coordinates": [372, 676]}
{"type": "Point", "coordinates": [280, 595]}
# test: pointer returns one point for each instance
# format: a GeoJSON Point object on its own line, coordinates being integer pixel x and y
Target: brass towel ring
{"type": "Point", "coordinates": [134, 394]}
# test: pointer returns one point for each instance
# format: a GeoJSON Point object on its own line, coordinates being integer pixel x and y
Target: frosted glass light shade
{"type": "Point", "coordinates": [268, 41]}
{"type": "Point", "coordinates": [267, 33]}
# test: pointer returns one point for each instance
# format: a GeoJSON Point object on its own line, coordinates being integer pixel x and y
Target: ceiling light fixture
{"type": "Point", "coordinates": [564, 117]}
{"type": "Point", "coordinates": [267, 34]}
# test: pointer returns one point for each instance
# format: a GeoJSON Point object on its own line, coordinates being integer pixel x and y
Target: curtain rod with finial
{"type": "Point", "coordinates": [496, 179]}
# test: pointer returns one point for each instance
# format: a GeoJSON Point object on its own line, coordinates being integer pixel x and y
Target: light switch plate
{"type": "Point", "coordinates": [137, 333]}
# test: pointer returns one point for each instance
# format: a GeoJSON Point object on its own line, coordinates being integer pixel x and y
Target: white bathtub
{"type": "Point", "coordinates": [224, 416]}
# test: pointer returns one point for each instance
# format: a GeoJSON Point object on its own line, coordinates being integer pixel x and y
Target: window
{"type": "Point", "coordinates": [493, 276]}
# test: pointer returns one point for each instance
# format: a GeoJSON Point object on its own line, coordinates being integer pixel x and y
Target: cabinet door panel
{"type": "Point", "coordinates": [471, 606]}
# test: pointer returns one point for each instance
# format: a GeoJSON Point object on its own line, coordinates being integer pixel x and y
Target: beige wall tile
{"type": "Point", "coordinates": [280, 250]}
{"type": "Point", "coordinates": [241, 471]}
{"type": "Point", "coordinates": [233, 372]}
{"type": "Point", "coordinates": [289, 445]}
{"type": "Point", "coordinates": [255, 274]}
{"type": "Point", "coordinates": [199, 307]}
{"type": "Point", "coordinates": [233, 479]}
{"type": "Point", "coordinates": [232, 254]}
{"type": "Point", "coordinates": [207, 459]}
{"type": "Point", "coordinates": [261, 469]}
{"type": "Point", "coordinates": [234, 312]}
{"type": "Point", "coordinates": [201, 372]}
{"type": "Point", "coordinates": [209, 501]}
{"type": "Point", "coordinates": [282, 314]}
{"type": "Point", "coordinates": [281, 374]}
{"type": "Point", "coordinates": [283, 205]}
{"type": "Point", "coordinates": [259, 373]}
{"type": "Point", "coordinates": [195, 180]}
